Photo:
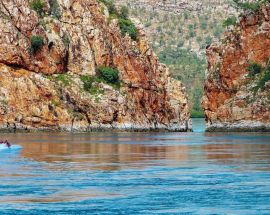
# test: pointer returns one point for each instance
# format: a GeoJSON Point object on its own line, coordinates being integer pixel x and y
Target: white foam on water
{"type": "Point", "coordinates": [3, 147]}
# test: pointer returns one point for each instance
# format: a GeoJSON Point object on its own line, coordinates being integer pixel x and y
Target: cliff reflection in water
{"type": "Point", "coordinates": [114, 151]}
{"type": "Point", "coordinates": [102, 155]}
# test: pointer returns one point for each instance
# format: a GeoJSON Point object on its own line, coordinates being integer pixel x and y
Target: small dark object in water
{"type": "Point", "coordinates": [6, 143]}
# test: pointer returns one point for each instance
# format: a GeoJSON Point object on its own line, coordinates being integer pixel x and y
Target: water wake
{"type": "Point", "coordinates": [4, 148]}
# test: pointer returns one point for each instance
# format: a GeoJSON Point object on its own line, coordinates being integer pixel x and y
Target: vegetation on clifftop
{"type": "Point", "coordinates": [122, 15]}
{"type": "Point", "coordinates": [247, 5]}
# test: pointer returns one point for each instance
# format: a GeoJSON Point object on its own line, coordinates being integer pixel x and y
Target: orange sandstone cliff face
{"type": "Point", "coordinates": [235, 100]}
{"type": "Point", "coordinates": [44, 91]}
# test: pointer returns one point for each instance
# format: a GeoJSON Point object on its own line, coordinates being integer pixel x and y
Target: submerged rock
{"type": "Point", "coordinates": [43, 58]}
{"type": "Point", "coordinates": [237, 96]}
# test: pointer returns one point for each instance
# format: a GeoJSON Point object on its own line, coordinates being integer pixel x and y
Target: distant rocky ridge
{"type": "Point", "coordinates": [237, 89]}
{"type": "Point", "coordinates": [45, 56]}
{"type": "Point", "coordinates": [175, 6]}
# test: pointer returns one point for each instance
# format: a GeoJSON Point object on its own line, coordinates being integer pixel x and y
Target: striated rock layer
{"type": "Point", "coordinates": [44, 91]}
{"type": "Point", "coordinates": [234, 99]}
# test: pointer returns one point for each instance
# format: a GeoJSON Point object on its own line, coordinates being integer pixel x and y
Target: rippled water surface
{"type": "Point", "coordinates": [136, 173]}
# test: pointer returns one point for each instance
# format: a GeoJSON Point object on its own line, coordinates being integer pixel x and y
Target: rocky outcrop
{"type": "Point", "coordinates": [43, 90]}
{"type": "Point", "coordinates": [235, 98]}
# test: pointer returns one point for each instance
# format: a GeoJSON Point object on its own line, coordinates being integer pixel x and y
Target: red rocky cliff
{"type": "Point", "coordinates": [44, 90]}
{"type": "Point", "coordinates": [234, 99]}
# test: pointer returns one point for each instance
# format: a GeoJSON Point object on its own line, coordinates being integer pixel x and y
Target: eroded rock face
{"type": "Point", "coordinates": [233, 99]}
{"type": "Point", "coordinates": [43, 90]}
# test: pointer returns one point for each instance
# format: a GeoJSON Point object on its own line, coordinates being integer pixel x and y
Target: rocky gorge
{"type": "Point", "coordinates": [53, 56]}
{"type": "Point", "coordinates": [237, 88]}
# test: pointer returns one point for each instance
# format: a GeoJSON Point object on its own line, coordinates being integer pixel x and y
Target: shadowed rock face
{"type": "Point", "coordinates": [232, 99]}
{"type": "Point", "coordinates": [34, 96]}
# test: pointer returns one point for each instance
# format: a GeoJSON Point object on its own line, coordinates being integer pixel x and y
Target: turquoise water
{"type": "Point", "coordinates": [136, 173]}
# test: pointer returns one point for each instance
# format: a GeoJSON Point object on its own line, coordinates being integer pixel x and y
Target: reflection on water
{"type": "Point", "coordinates": [140, 149]}
{"type": "Point", "coordinates": [166, 173]}
{"type": "Point", "coordinates": [108, 156]}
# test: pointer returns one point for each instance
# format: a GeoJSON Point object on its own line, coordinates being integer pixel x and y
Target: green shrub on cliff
{"type": "Point", "coordinates": [109, 75]}
{"type": "Point", "coordinates": [106, 75]}
{"type": "Point", "coordinates": [254, 68]}
{"type": "Point", "coordinates": [38, 6]}
{"type": "Point", "coordinates": [230, 21]}
{"type": "Point", "coordinates": [124, 12]}
{"type": "Point", "coordinates": [88, 84]}
{"type": "Point", "coordinates": [127, 27]}
{"type": "Point", "coordinates": [265, 77]}
{"type": "Point", "coordinates": [63, 78]}
{"type": "Point", "coordinates": [125, 24]}
{"type": "Point", "coordinates": [260, 74]}
{"type": "Point", "coordinates": [36, 43]}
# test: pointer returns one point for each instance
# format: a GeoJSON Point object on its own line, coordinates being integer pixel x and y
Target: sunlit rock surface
{"type": "Point", "coordinates": [34, 97]}
{"type": "Point", "coordinates": [233, 99]}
